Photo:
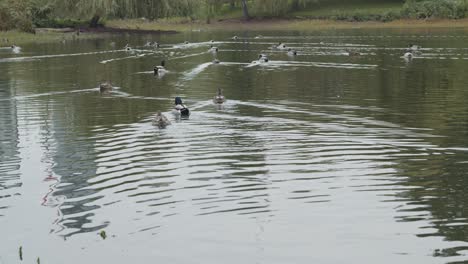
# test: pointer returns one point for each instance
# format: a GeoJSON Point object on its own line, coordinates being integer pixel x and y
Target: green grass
{"type": "Point", "coordinates": [348, 9]}
{"type": "Point", "coordinates": [19, 38]}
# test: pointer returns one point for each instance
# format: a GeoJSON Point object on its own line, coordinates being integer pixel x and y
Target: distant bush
{"type": "Point", "coordinates": [363, 16]}
{"type": "Point", "coordinates": [453, 9]}
{"type": "Point", "coordinates": [16, 15]}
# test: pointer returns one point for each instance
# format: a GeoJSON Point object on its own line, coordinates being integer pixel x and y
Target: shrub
{"type": "Point", "coordinates": [453, 9]}
{"type": "Point", "coordinates": [16, 14]}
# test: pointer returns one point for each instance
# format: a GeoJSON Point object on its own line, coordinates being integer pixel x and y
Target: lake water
{"type": "Point", "coordinates": [316, 158]}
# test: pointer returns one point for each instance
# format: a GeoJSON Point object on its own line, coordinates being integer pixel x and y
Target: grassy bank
{"type": "Point", "coordinates": [285, 24]}
{"type": "Point", "coordinates": [8, 38]}
{"type": "Point", "coordinates": [235, 25]}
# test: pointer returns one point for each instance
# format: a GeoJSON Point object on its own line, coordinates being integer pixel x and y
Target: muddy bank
{"type": "Point", "coordinates": [105, 30]}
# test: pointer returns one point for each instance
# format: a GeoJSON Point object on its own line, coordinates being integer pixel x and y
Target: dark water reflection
{"type": "Point", "coordinates": [320, 157]}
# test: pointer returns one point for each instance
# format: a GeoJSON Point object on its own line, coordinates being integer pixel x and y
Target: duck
{"type": "Point", "coordinates": [152, 44]}
{"type": "Point", "coordinates": [353, 53]}
{"type": "Point", "coordinates": [408, 56]}
{"type": "Point", "coordinates": [186, 42]}
{"type": "Point", "coordinates": [281, 46]}
{"type": "Point", "coordinates": [127, 47]}
{"type": "Point", "coordinates": [219, 98]}
{"type": "Point", "coordinates": [105, 87]}
{"type": "Point", "coordinates": [180, 108]}
{"type": "Point", "coordinates": [258, 36]}
{"type": "Point", "coordinates": [235, 38]}
{"type": "Point", "coordinates": [216, 61]}
{"type": "Point", "coordinates": [161, 120]}
{"type": "Point", "coordinates": [15, 48]}
{"type": "Point", "coordinates": [213, 49]}
{"type": "Point", "coordinates": [159, 70]}
{"type": "Point", "coordinates": [262, 58]}
{"type": "Point", "coordinates": [414, 47]}
{"type": "Point", "coordinates": [292, 52]}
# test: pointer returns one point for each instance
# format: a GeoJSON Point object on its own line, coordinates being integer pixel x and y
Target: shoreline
{"type": "Point", "coordinates": [139, 26]}
{"type": "Point", "coordinates": [287, 24]}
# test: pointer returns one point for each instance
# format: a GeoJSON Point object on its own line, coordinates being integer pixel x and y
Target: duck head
{"type": "Point", "coordinates": [178, 101]}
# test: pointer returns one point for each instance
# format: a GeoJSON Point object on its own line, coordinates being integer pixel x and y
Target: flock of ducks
{"type": "Point", "coordinates": [180, 110]}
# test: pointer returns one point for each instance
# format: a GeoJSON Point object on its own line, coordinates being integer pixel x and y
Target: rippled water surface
{"type": "Point", "coordinates": [316, 158]}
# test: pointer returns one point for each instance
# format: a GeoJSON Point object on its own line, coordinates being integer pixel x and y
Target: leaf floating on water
{"type": "Point", "coordinates": [21, 253]}
{"type": "Point", "coordinates": [103, 234]}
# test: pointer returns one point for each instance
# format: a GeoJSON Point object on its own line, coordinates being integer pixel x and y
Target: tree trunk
{"type": "Point", "coordinates": [94, 21]}
{"type": "Point", "coordinates": [245, 10]}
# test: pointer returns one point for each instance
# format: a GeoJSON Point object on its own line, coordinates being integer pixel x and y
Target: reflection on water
{"type": "Point", "coordinates": [311, 155]}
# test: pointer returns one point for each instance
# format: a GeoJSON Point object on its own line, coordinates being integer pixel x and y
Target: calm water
{"type": "Point", "coordinates": [318, 158]}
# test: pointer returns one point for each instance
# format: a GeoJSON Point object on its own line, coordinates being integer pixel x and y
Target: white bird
{"type": "Point", "coordinates": [281, 46]}
{"type": "Point", "coordinates": [15, 49]}
{"type": "Point", "coordinates": [408, 56]}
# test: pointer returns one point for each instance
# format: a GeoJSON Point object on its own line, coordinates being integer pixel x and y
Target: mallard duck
{"type": "Point", "coordinates": [180, 108]}
{"type": "Point", "coordinates": [161, 120]}
{"type": "Point", "coordinates": [219, 98]}
{"type": "Point", "coordinates": [235, 38]}
{"type": "Point", "coordinates": [105, 87]}
{"type": "Point", "coordinates": [186, 42]}
{"type": "Point", "coordinates": [292, 52]}
{"type": "Point", "coordinates": [127, 47]}
{"type": "Point", "coordinates": [281, 46]}
{"type": "Point", "coordinates": [158, 70]}
{"type": "Point", "coordinates": [216, 61]}
{"type": "Point", "coordinates": [262, 58]}
{"type": "Point", "coordinates": [213, 49]}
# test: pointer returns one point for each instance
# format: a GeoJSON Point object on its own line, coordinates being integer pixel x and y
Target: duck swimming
{"type": "Point", "coordinates": [180, 108]}
{"type": "Point", "coordinates": [161, 120]}
{"type": "Point", "coordinates": [216, 61]}
{"type": "Point", "coordinates": [292, 52]}
{"type": "Point", "coordinates": [408, 56]}
{"type": "Point", "coordinates": [15, 49]}
{"type": "Point", "coordinates": [127, 48]}
{"type": "Point", "coordinates": [281, 46]}
{"type": "Point", "coordinates": [213, 49]}
{"type": "Point", "coordinates": [414, 47]}
{"type": "Point", "coordinates": [159, 70]}
{"type": "Point", "coordinates": [105, 87]}
{"type": "Point", "coordinates": [262, 58]}
{"type": "Point", "coordinates": [235, 38]}
{"type": "Point", "coordinates": [219, 98]}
